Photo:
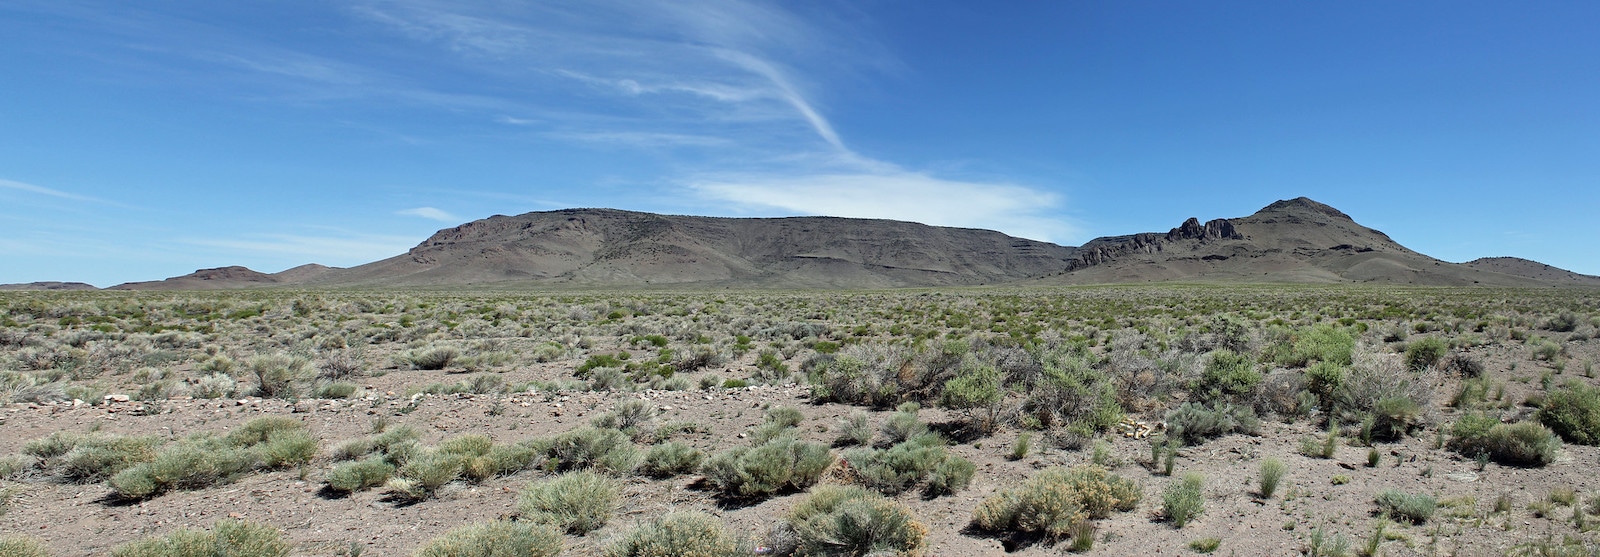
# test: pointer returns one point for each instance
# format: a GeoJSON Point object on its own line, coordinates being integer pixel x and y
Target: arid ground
{"type": "Point", "coordinates": [1356, 390]}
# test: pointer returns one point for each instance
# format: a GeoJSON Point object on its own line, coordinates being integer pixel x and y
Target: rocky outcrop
{"type": "Point", "coordinates": [1103, 250]}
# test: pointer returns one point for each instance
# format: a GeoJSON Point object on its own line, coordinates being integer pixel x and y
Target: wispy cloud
{"type": "Point", "coordinates": [643, 139]}
{"type": "Point", "coordinates": [41, 190]}
{"type": "Point", "coordinates": [429, 213]}
{"type": "Point", "coordinates": [890, 193]}
{"type": "Point", "coordinates": [333, 249]}
{"type": "Point", "coordinates": [731, 78]}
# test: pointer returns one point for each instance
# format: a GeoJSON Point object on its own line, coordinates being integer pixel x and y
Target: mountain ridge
{"type": "Point", "coordinates": [1294, 240]}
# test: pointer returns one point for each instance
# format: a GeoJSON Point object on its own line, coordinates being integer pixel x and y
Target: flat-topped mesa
{"type": "Point", "coordinates": [232, 272]}
{"type": "Point", "coordinates": [1107, 249]}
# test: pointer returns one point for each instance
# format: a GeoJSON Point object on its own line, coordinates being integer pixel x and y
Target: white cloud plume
{"type": "Point", "coordinates": [429, 213]}
{"type": "Point", "coordinates": [889, 193]}
{"type": "Point", "coordinates": [333, 250]}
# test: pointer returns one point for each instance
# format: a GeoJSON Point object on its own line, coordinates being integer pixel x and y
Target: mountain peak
{"type": "Point", "coordinates": [1304, 205]}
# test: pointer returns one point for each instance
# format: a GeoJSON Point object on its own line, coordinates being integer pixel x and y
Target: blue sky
{"type": "Point", "coordinates": [140, 140]}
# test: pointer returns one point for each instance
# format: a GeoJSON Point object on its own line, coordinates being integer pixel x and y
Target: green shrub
{"type": "Point", "coordinates": [1272, 471]}
{"type": "Point", "coordinates": [1546, 350]}
{"type": "Point", "coordinates": [855, 430]}
{"type": "Point", "coordinates": [1320, 343]}
{"type": "Point", "coordinates": [1564, 322]}
{"type": "Point", "coordinates": [204, 460]}
{"type": "Point", "coordinates": [275, 374]}
{"type": "Point", "coordinates": [381, 443]}
{"type": "Point", "coordinates": [1573, 412]}
{"type": "Point", "coordinates": [1022, 447]}
{"type": "Point", "coordinates": [900, 467]}
{"type": "Point", "coordinates": [431, 358]}
{"type": "Point", "coordinates": [678, 534]}
{"type": "Point", "coordinates": [1395, 417]}
{"type": "Point", "coordinates": [629, 417]}
{"type": "Point", "coordinates": [784, 416]}
{"type": "Point", "coordinates": [189, 464]}
{"type": "Point", "coordinates": [903, 425]}
{"type": "Point", "coordinates": [952, 474]}
{"type": "Point", "coordinates": [670, 459]}
{"type": "Point", "coordinates": [95, 458]}
{"type": "Point", "coordinates": [510, 459]}
{"type": "Point", "coordinates": [496, 539]}
{"type": "Point", "coordinates": [228, 538]}
{"type": "Point", "coordinates": [606, 450]}
{"type": "Point", "coordinates": [55, 445]}
{"type": "Point", "coordinates": [1400, 505]}
{"type": "Point", "coordinates": [1056, 500]}
{"type": "Point", "coordinates": [1193, 423]}
{"type": "Point", "coordinates": [1325, 379]}
{"type": "Point", "coordinates": [848, 520]}
{"type": "Point", "coordinates": [1519, 444]}
{"type": "Point", "coordinates": [424, 473]}
{"type": "Point", "coordinates": [1205, 545]}
{"type": "Point", "coordinates": [848, 379]}
{"type": "Point", "coordinates": [575, 502]}
{"type": "Point", "coordinates": [359, 475]}
{"type": "Point", "coordinates": [1421, 354]}
{"type": "Point", "coordinates": [337, 389]}
{"type": "Point", "coordinates": [258, 430]}
{"type": "Point", "coordinates": [467, 444]}
{"type": "Point", "coordinates": [1227, 376]}
{"type": "Point", "coordinates": [22, 546]}
{"type": "Point", "coordinates": [1071, 391]}
{"type": "Point", "coordinates": [598, 361]}
{"type": "Point", "coordinates": [976, 390]}
{"type": "Point", "coordinates": [291, 448]}
{"type": "Point", "coordinates": [1184, 499]}
{"type": "Point", "coordinates": [781, 464]}
{"type": "Point", "coordinates": [1473, 392]}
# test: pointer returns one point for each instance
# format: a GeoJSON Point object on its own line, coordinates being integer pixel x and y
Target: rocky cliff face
{"type": "Point", "coordinates": [1107, 249]}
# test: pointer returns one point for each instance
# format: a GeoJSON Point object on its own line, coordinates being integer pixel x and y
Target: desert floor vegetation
{"type": "Point", "coordinates": [1278, 420]}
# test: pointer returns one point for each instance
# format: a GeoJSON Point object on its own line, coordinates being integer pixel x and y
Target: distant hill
{"type": "Point", "coordinates": [1296, 240]}
{"type": "Point", "coordinates": [607, 247]}
{"type": "Point", "coordinates": [1519, 267]}
{"type": "Point", "coordinates": [232, 277]}
{"type": "Point", "coordinates": [49, 285]}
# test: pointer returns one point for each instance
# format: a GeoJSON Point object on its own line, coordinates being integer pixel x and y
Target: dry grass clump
{"type": "Point", "coordinates": [1056, 501]}
{"type": "Point", "coordinates": [575, 502]}
{"type": "Point", "coordinates": [778, 465]}
{"type": "Point", "coordinates": [203, 460]}
{"type": "Point", "coordinates": [496, 539]}
{"type": "Point", "coordinates": [670, 459]}
{"type": "Point", "coordinates": [1518, 444]}
{"type": "Point", "coordinates": [1400, 505]}
{"type": "Point", "coordinates": [22, 546]}
{"type": "Point", "coordinates": [920, 456]}
{"type": "Point", "coordinates": [227, 538]}
{"type": "Point", "coordinates": [87, 458]}
{"type": "Point", "coordinates": [678, 534]}
{"type": "Point", "coordinates": [1573, 412]}
{"type": "Point", "coordinates": [1184, 499]}
{"type": "Point", "coordinates": [848, 520]}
